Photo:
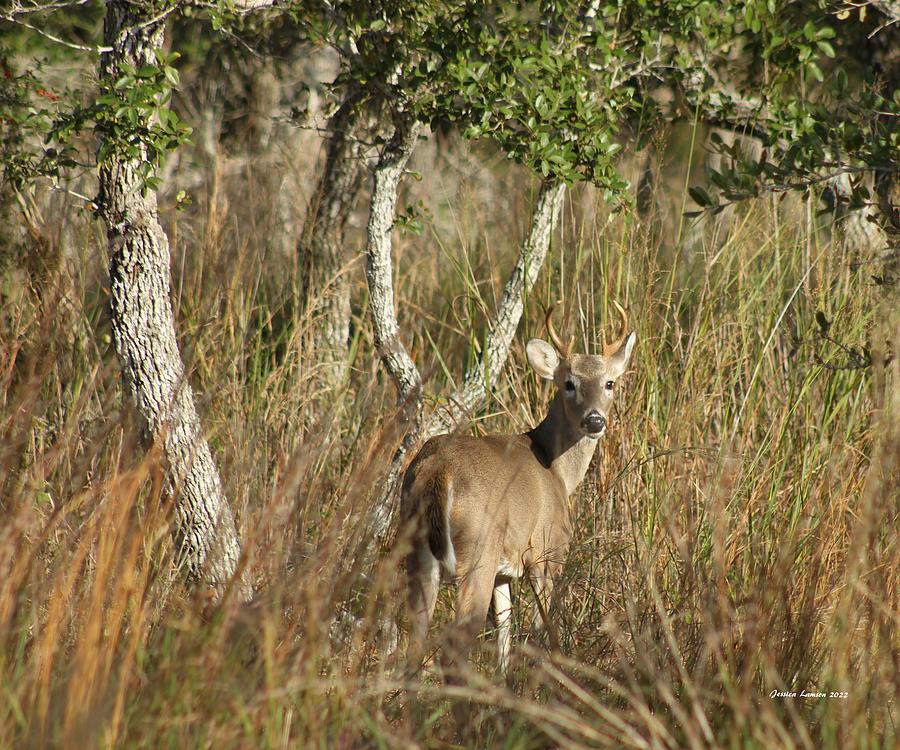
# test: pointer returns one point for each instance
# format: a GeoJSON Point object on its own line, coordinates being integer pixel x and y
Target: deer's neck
{"type": "Point", "coordinates": [567, 452]}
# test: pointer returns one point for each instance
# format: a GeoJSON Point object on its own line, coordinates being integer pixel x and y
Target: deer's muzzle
{"type": "Point", "coordinates": [593, 423]}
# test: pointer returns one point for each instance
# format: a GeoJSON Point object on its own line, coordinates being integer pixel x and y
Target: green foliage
{"type": "Point", "coordinates": [812, 142]}
{"type": "Point", "coordinates": [809, 94]}
{"type": "Point", "coordinates": [558, 85]}
{"type": "Point", "coordinates": [28, 111]}
{"type": "Point", "coordinates": [528, 85]}
{"type": "Point", "coordinates": [561, 86]}
{"type": "Point", "coordinates": [501, 71]}
{"type": "Point", "coordinates": [133, 119]}
{"type": "Point", "coordinates": [411, 220]}
{"type": "Point", "coordinates": [130, 117]}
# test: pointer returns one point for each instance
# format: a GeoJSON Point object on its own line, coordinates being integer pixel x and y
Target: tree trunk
{"type": "Point", "coordinates": [324, 257]}
{"type": "Point", "coordinates": [859, 231]}
{"type": "Point", "coordinates": [890, 8]}
{"type": "Point", "coordinates": [144, 332]}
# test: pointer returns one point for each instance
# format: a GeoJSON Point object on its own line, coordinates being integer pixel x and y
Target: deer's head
{"type": "Point", "coordinates": [586, 382]}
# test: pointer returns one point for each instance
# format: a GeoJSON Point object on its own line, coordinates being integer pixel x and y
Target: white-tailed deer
{"type": "Point", "coordinates": [494, 508]}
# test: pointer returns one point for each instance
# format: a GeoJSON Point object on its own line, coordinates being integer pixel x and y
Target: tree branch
{"type": "Point", "coordinates": [484, 374]}
{"type": "Point", "coordinates": [12, 18]}
{"type": "Point", "coordinates": [248, 6]}
{"type": "Point", "coordinates": [379, 270]}
{"type": "Point", "coordinates": [379, 276]}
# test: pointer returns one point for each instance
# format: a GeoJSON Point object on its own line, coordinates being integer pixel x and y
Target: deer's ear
{"type": "Point", "coordinates": [619, 361]}
{"type": "Point", "coordinates": [542, 357]}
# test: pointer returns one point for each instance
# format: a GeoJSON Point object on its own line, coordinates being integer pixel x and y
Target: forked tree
{"type": "Point", "coordinates": [561, 96]}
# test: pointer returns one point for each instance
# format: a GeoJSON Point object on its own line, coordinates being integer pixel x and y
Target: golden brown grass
{"type": "Point", "coordinates": [727, 544]}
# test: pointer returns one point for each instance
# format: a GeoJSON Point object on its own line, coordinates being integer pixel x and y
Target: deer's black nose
{"type": "Point", "coordinates": [593, 423]}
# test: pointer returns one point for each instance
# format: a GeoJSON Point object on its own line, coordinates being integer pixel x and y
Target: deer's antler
{"type": "Point", "coordinates": [612, 348]}
{"type": "Point", "coordinates": [564, 350]}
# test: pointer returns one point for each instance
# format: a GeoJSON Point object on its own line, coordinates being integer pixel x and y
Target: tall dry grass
{"type": "Point", "coordinates": [726, 543]}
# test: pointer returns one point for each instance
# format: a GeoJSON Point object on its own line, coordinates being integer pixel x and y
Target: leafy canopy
{"type": "Point", "coordinates": [560, 86]}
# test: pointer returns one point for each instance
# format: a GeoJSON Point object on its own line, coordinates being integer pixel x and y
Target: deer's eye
{"type": "Point", "coordinates": [570, 386]}
{"type": "Point", "coordinates": [609, 385]}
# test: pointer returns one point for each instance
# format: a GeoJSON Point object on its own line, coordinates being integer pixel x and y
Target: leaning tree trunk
{"type": "Point", "coordinates": [483, 375]}
{"type": "Point", "coordinates": [379, 266]}
{"type": "Point", "coordinates": [144, 332]}
{"type": "Point", "coordinates": [324, 257]}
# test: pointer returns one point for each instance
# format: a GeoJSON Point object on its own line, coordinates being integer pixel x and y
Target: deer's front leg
{"type": "Point", "coordinates": [542, 576]}
{"type": "Point", "coordinates": [503, 613]}
{"type": "Point", "coordinates": [542, 585]}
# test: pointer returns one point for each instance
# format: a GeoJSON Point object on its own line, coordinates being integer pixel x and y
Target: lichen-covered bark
{"type": "Point", "coordinates": [859, 231]}
{"type": "Point", "coordinates": [144, 333]}
{"type": "Point", "coordinates": [379, 276]}
{"type": "Point", "coordinates": [379, 268]}
{"type": "Point", "coordinates": [324, 256]}
{"type": "Point", "coordinates": [890, 8]}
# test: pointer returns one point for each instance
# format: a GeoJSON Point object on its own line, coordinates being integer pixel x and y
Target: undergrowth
{"type": "Point", "coordinates": [727, 542]}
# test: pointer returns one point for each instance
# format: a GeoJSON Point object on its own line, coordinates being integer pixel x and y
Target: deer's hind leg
{"type": "Point", "coordinates": [476, 587]}
{"type": "Point", "coordinates": [423, 580]}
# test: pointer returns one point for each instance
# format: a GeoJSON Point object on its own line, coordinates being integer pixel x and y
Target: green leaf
{"type": "Point", "coordinates": [700, 196]}
{"type": "Point", "coordinates": [826, 47]}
